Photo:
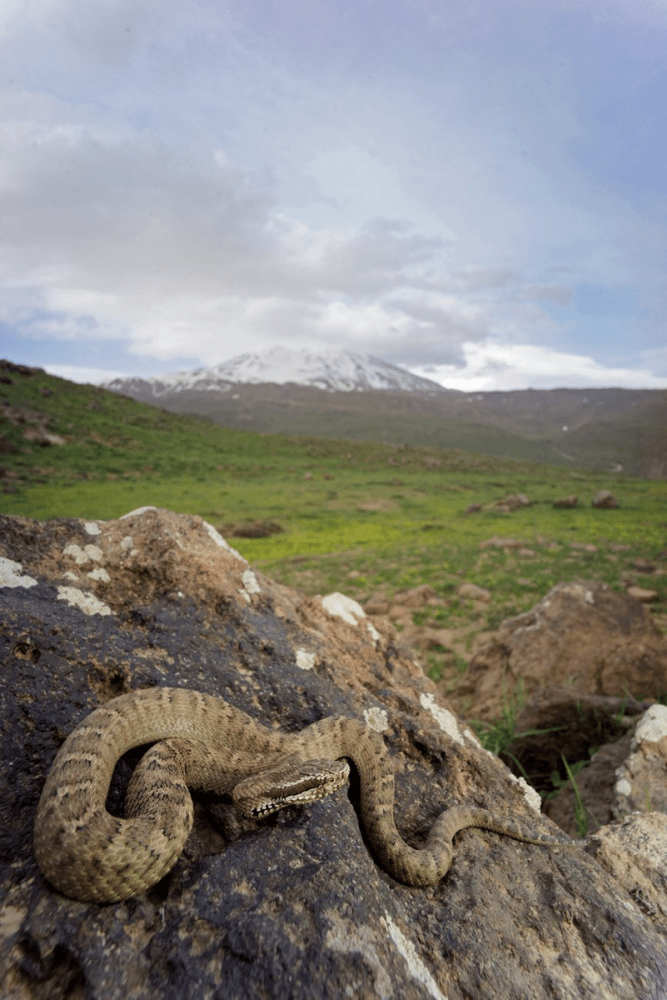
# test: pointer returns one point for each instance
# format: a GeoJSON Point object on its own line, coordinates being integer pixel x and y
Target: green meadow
{"type": "Point", "coordinates": [356, 516]}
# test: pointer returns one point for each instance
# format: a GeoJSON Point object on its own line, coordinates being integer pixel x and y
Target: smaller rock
{"type": "Point", "coordinates": [377, 604]}
{"type": "Point", "coordinates": [644, 566]}
{"type": "Point", "coordinates": [472, 592]}
{"type": "Point", "coordinates": [643, 595]}
{"type": "Point", "coordinates": [604, 499]}
{"type": "Point", "coordinates": [416, 597]}
{"type": "Point", "coordinates": [472, 508]}
{"type": "Point", "coordinates": [501, 543]}
{"type": "Point", "coordinates": [566, 502]}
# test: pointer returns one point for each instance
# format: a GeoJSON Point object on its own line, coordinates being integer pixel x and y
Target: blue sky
{"type": "Point", "coordinates": [476, 191]}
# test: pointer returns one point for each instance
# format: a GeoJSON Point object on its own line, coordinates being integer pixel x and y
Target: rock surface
{"type": "Point", "coordinates": [584, 636]}
{"type": "Point", "coordinates": [296, 906]}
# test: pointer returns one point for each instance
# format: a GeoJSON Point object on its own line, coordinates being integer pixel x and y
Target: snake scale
{"type": "Point", "coordinates": [204, 743]}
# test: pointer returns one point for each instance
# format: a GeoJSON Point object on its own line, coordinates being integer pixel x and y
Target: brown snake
{"type": "Point", "coordinates": [205, 743]}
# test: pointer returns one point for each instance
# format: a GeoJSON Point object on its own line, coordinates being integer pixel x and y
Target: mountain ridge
{"type": "Point", "coordinates": [329, 370]}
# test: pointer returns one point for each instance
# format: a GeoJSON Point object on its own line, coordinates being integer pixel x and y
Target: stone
{"type": "Point", "coordinates": [416, 597]}
{"type": "Point", "coordinates": [294, 906]}
{"type": "Point", "coordinates": [472, 508]}
{"type": "Point", "coordinates": [604, 499]}
{"type": "Point", "coordinates": [570, 501]}
{"type": "Point", "coordinates": [501, 543]}
{"type": "Point", "coordinates": [472, 592]}
{"type": "Point", "coordinates": [643, 594]}
{"type": "Point", "coordinates": [581, 635]}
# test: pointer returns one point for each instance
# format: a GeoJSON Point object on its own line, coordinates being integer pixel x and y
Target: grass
{"type": "Point", "coordinates": [358, 516]}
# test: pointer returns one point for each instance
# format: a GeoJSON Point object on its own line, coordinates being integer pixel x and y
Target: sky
{"type": "Point", "coordinates": [474, 191]}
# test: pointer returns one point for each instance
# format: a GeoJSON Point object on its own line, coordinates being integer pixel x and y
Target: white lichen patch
{"type": "Point", "coordinates": [377, 719]}
{"type": "Point", "coordinates": [414, 963]}
{"type": "Point", "coordinates": [10, 575]}
{"type": "Point", "coordinates": [71, 575]}
{"type": "Point", "coordinates": [99, 574]}
{"type": "Point", "coordinates": [305, 660]}
{"type": "Point", "coordinates": [89, 553]}
{"type": "Point", "coordinates": [88, 603]}
{"type": "Point", "coordinates": [92, 528]}
{"type": "Point", "coordinates": [623, 787]}
{"type": "Point", "coordinates": [216, 537]}
{"type": "Point", "coordinates": [652, 726]}
{"type": "Point", "coordinates": [250, 582]}
{"type": "Point", "coordinates": [126, 543]}
{"type": "Point", "coordinates": [373, 632]}
{"type": "Point", "coordinates": [343, 607]}
{"type": "Point", "coordinates": [442, 716]}
{"type": "Point", "coordinates": [531, 795]}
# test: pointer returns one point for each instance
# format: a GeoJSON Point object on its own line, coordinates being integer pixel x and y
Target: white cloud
{"type": "Point", "coordinates": [492, 366]}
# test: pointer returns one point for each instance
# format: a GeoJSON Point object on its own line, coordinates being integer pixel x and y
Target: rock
{"type": "Point", "coordinates": [642, 594]}
{"type": "Point", "coordinates": [604, 499]}
{"type": "Point", "coordinates": [39, 435]}
{"type": "Point", "coordinates": [644, 566]}
{"type": "Point", "coordinates": [377, 604]}
{"type": "Point", "coordinates": [566, 502]}
{"type": "Point", "coordinates": [295, 906]}
{"type": "Point", "coordinates": [472, 508]}
{"type": "Point", "coordinates": [501, 543]}
{"type": "Point", "coordinates": [641, 784]}
{"type": "Point", "coordinates": [633, 852]}
{"type": "Point", "coordinates": [512, 502]}
{"type": "Point", "coordinates": [472, 592]}
{"type": "Point", "coordinates": [416, 597]}
{"type": "Point", "coordinates": [582, 635]}
{"type": "Point", "coordinates": [251, 529]}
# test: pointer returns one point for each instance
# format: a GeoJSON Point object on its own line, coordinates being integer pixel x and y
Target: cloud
{"type": "Point", "coordinates": [497, 367]}
{"type": "Point", "coordinates": [109, 233]}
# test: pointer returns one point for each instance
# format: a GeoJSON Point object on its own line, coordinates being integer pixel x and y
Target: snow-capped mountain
{"type": "Point", "coordinates": [333, 371]}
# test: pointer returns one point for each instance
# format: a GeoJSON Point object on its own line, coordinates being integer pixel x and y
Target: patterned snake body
{"type": "Point", "coordinates": [204, 743]}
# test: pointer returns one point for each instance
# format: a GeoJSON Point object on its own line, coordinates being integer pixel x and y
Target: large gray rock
{"type": "Point", "coordinates": [296, 906]}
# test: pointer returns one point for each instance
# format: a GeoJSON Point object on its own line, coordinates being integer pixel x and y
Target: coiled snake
{"type": "Point", "coordinates": [205, 743]}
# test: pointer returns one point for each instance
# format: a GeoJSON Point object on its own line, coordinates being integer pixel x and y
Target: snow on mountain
{"type": "Point", "coordinates": [333, 371]}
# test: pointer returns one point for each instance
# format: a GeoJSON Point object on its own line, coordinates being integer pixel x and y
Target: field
{"type": "Point", "coordinates": [355, 516]}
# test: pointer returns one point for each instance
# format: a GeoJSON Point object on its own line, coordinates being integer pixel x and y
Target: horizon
{"type": "Point", "coordinates": [474, 194]}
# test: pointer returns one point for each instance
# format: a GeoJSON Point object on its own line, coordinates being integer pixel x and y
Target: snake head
{"type": "Point", "coordinates": [290, 782]}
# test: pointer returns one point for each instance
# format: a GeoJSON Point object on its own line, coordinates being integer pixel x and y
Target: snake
{"type": "Point", "coordinates": [202, 742]}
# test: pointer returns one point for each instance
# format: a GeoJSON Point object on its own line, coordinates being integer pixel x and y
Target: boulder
{"type": "Point", "coordinates": [295, 906]}
{"type": "Point", "coordinates": [585, 636]}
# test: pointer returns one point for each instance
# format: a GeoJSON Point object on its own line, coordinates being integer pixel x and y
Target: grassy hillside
{"type": "Point", "coordinates": [594, 429]}
{"type": "Point", "coordinates": [354, 516]}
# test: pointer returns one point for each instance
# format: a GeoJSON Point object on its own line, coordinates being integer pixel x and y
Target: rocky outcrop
{"type": "Point", "coordinates": [295, 906]}
{"type": "Point", "coordinates": [583, 636]}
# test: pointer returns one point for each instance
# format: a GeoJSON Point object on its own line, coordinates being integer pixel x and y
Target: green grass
{"type": "Point", "coordinates": [357, 516]}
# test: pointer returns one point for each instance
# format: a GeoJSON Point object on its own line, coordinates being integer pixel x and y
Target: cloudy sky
{"type": "Point", "coordinates": [475, 191]}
